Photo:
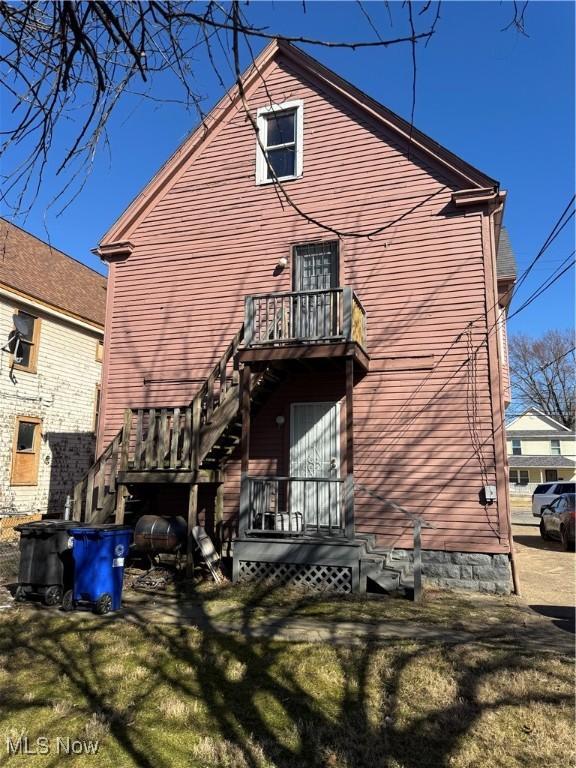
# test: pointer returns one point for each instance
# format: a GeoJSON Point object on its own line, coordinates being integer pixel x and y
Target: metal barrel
{"type": "Point", "coordinates": [162, 534]}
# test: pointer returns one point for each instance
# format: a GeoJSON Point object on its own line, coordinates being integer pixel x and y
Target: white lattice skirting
{"type": "Point", "coordinates": [321, 578]}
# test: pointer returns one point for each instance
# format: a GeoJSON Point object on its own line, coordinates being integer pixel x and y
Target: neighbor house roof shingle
{"type": "Point", "coordinates": [539, 461]}
{"type": "Point", "coordinates": [39, 270]}
{"type": "Point", "coordinates": [505, 259]}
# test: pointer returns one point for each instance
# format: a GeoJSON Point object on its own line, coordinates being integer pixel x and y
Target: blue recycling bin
{"type": "Point", "coordinates": [99, 553]}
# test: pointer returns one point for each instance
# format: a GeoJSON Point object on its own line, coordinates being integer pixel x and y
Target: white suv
{"type": "Point", "coordinates": [547, 492]}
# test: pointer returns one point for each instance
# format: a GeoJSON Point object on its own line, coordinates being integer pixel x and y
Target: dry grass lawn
{"type": "Point", "coordinates": [168, 697]}
{"type": "Point", "coordinates": [455, 610]}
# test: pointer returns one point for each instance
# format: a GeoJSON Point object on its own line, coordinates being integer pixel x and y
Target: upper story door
{"type": "Point", "coordinates": [316, 272]}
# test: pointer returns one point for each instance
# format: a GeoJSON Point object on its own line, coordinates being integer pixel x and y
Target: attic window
{"type": "Point", "coordinates": [279, 145]}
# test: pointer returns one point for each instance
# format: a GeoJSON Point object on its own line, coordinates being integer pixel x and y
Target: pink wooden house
{"type": "Point", "coordinates": [306, 387]}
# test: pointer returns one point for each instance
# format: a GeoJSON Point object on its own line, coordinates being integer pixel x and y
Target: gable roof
{"type": "Point", "coordinates": [548, 420]}
{"type": "Point", "coordinates": [562, 462]}
{"type": "Point", "coordinates": [470, 176]}
{"type": "Point", "coordinates": [36, 269]}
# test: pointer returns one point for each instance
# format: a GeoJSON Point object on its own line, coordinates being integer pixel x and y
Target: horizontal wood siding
{"type": "Point", "coordinates": [214, 236]}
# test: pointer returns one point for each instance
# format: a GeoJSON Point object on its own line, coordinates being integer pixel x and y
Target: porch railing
{"type": "Point", "coordinates": [334, 314]}
{"type": "Point", "coordinates": [293, 506]}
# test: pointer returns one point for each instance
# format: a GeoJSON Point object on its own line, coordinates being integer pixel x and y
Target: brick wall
{"type": "Point", "coordinates": [62, 393]}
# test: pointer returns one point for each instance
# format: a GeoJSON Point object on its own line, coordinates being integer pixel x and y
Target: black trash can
{"type": "Point", "coordinates": [46, 565]}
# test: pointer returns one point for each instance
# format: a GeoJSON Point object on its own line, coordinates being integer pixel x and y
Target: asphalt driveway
{"type": "Point", "coordinates": [547, 573]}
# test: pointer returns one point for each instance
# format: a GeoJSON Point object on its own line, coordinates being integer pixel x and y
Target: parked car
{"type": "Point", "coordinates": [547, 492]}
{"type": "Point", "coordinates": [557, 520]}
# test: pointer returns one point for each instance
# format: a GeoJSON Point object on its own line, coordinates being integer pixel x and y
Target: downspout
{"type": "Point", "coordinates": [496, 213]}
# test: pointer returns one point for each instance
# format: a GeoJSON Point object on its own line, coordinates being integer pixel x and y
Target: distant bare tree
{"type": "Point", "coordinates": [543, 373]}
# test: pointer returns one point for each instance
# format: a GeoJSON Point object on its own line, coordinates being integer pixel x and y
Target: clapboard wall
{"type": "Point", "coordinates": [426, 414]}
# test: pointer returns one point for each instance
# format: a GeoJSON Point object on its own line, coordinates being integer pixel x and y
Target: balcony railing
{"type": "Point", "coordinates": [295, 506]}
{"type": "Point", "coordinates": [334, 314]}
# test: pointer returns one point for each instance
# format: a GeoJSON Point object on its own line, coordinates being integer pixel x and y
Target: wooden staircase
{"type": "Point", "coordinates": [182, 444]}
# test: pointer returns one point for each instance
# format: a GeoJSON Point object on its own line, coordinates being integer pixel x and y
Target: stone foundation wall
{"type": "Point", "coordinates": [475, 571]}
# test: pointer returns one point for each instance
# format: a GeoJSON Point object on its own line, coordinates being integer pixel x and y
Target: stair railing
{"type": "Point", "coordinates": [220, 381]}
{"type": "Point", "coordinates": [93, 491]}
{"type": "Point", "coordinates": [418, 522]}
{"type": "Point", "coordinates": [163, 438]}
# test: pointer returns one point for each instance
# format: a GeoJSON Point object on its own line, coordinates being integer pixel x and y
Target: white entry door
{"type": "Point", "coordinates": [315, 454]}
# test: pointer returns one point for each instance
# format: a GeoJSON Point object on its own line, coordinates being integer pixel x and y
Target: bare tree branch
{"type": "Point", "coordinates": [70, 62]}
{"type": "Point", "coordinates": [543, 374]}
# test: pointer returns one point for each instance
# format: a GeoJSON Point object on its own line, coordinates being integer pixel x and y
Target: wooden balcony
{"type": "Point", "coordinates": [328, 323]}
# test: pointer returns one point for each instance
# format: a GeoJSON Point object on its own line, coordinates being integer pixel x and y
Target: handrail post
{"type": "Point", "coordinates": [347, 313]}
{"type": "Point", "coordinates": [195, 435]}
{"type": "Point", "coordinates": [126, 429]}
{"type": "Point", "coordinates": [248, 320]}
{"type": "Point", "coordinates": [123, 465]}
{"type": "Point", "coordinates": [244, 511]}
{"type": "Point", "coordinates": [417, 560]}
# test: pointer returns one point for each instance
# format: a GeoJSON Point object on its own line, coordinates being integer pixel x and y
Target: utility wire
{"type": "Point", "coordinates": [556, 229]}
{"type": "Point", "coordinates": [472, 354]}
{"type": "Point", "coordinates": [556, 360]}
{"type": "Point", "coordinates": [548, 283]}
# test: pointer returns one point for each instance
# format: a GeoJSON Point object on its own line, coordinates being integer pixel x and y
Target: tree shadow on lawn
{"type": "Point", "coordinates": [182, 696]}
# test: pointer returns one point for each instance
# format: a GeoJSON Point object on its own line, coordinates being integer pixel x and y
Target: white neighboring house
{"type": "Point", "coordinates": [540, 450]}
{"type": "Point", "coordinates": [49, 400]}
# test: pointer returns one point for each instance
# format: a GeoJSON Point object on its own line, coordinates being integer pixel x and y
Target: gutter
{"type": "Point", "coordinates": [468, 197]}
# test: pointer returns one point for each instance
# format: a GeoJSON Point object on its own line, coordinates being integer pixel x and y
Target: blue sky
{"type": "Point", "coordinates": [502, 101]}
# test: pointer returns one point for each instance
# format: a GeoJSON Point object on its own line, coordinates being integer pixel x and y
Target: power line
{"type": "Point", "coordinates": [556, 360]}
{"type": "Point", "coordinates": [472, 355]}
{"type": "Point", "coordinates": [548, 283]}
{"type": "Point", "coordinates": [556, 229]}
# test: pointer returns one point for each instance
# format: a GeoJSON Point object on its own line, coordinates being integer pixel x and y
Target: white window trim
{"type": "Point", "coordinates": [261, 164]}
{"type": "Point", "coordinates": [553, 452]}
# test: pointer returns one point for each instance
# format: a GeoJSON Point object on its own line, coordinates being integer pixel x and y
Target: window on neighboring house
{"type": "Point", "coordinates": [555, 447]}
{"type": "Point", "coordinates": [29, 326]}
{"type": "Point", "coordinates": [516, 447]}
{"type": "Point", "coordinates": [279, 145]}
{"type": "Point", "coordinates": [519, 476]}
{"type": "Point", "coordinates": [97, 406]}
{"type": "Point", "coordinates": [550, 475]}
{"type": "Point", "coordinates": [99, 350]}
{"type": "Point", "coordinates": [26, 451]}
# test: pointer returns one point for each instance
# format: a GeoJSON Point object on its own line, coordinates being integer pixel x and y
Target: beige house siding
{"type": "Point", "coordinates": [536, 433]}
{"type": "Point", "coordinates": [534, 421]}
{"type": "Point", "coordinates": [536, 447]}
{"type": "Point", "coordinates": [62, 394]}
